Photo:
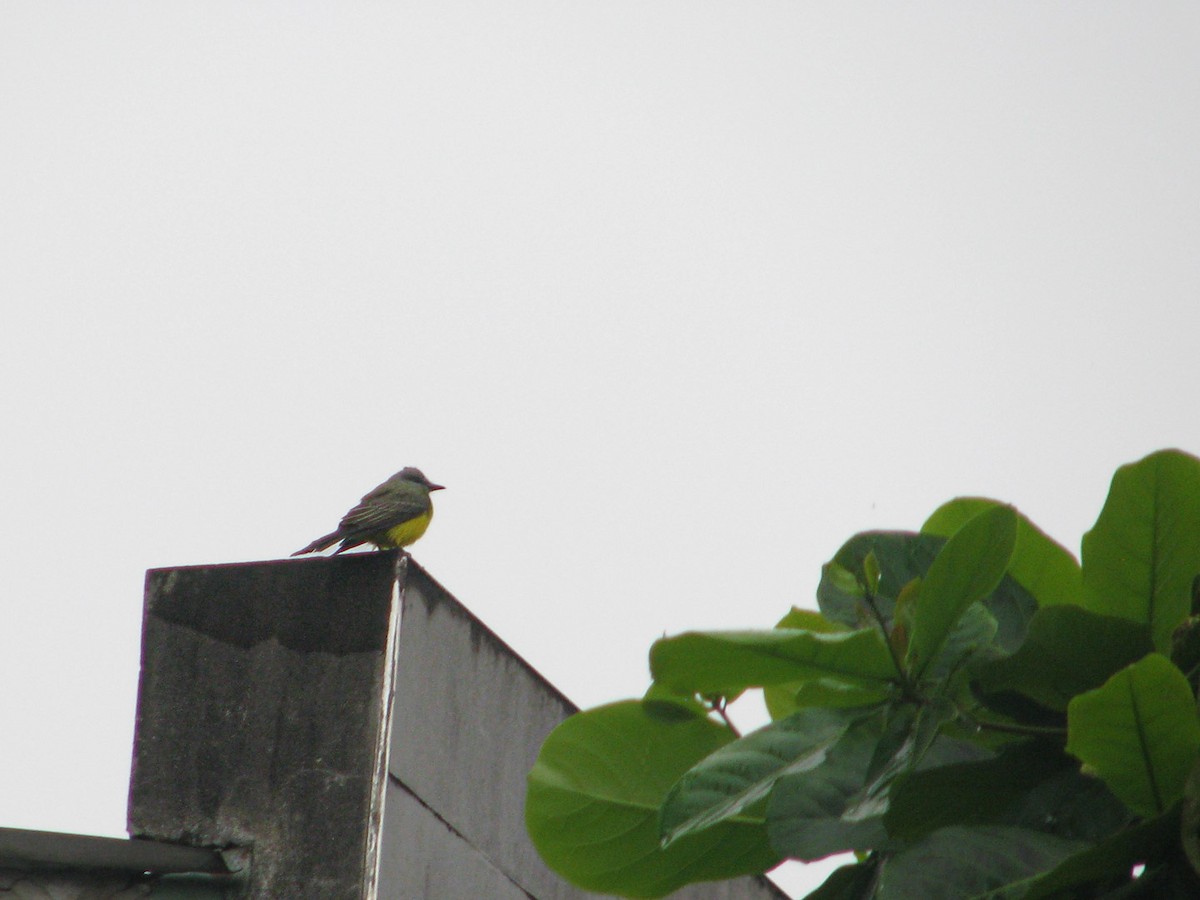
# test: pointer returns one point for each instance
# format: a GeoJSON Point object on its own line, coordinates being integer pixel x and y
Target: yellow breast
{"type": "Point", "coordinates": [405, 533]}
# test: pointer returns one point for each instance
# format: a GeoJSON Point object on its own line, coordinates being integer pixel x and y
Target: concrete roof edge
{"type": "Point", "coordinates": [25, 849]}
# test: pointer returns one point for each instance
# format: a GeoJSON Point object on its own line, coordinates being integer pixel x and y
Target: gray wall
{"type": "Point", "coordinates": [265, 701]}
{"type": "Point", "coordinates": [469, 717]}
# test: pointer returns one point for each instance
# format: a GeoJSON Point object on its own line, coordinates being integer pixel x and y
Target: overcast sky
{"type": "Point", "coordinates": [674, 297]}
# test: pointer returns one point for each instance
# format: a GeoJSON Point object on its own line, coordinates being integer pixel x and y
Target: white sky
{"type": "Point", "coordinates": [674, 297]}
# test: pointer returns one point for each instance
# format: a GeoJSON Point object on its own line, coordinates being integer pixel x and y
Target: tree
{"type": "Point", "coordinates": [973, 713]}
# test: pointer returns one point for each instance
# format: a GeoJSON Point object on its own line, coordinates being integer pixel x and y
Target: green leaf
{"type": "Point", "coordinates": [782, 700]}
{"type": "Point", "coordinates": [660, 701]}
{"type": "Point", "coordinates": [1029, 784]}
{"type": "Point", "coordinates": [785, 699]}
{"type": "Point", "coordinates": [1185, 645]}
{"type": "Point", "coordinates": [805, 815]}
{"type": "Point", "coordinates": [1070, 804]}
{"type": "Point", "coordinates": [1189, 827]}
{"type": "Point", "coordinates": [974, 631]}
{"type": "Point", "coordinates": [856, 882]}
{"type": "Point", "coordinates": [840, 804]}
{"type": "Point", "coordinates": [843, 598]}
{"type": "Point", "coordinates": [1041, 565]}
{"type": "Point", "coordinates": [959, 862]}
{"type": "Point", "coordinates": [1013, 607]}
{"type": "Point", "coordinates": [741, 774]}
{"type": "Point", "coordinates": [971, 793]}
{"type": "Point", "coordinates": [723, 662]}
{"type": "Point", "coordinates": [831, 694]}
{"type": "Point", "coordinates": [1040, 571]}
{"type": "Point", "coordinates": [966, 570]}
{"type": "Point", "coordinates": [906, 745]}
{"type": "Point", "coordinates": [1110, 861]}
{"type": "Point", "coordinates": [809, 620]}
{"type": "Point", "coordinates": [871, 573]}
{"type": "Point", "coordinates": [594, 794]}
{"type": "Point", "coordinates": [1139, 732]}
{"type": "Point", "coordinates": [1140, 559]}
{"type": "Point", "coordinates": [902, 617]}
{"type": "Point", "coordinates": [899, 557]}
{"type": "Point", "coordinates": [1068, 650]}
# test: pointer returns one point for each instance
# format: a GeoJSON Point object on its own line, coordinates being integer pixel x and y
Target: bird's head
{"type": "Point", "coordinates": [416, 476]}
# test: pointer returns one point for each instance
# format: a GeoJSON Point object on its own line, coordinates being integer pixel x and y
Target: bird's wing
{"type": "Point", "coordinates": [383, 508]}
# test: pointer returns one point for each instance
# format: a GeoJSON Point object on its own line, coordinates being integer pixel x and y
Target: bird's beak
{"type": "Point", "coordinates": [437, 487]}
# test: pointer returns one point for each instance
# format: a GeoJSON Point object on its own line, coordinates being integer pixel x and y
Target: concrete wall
{"type": "Point", "coordinates": [267, 695]}
{"type": "Point", "coordinates": [469, 718]}
{"type": "Point", "coordinates": [261, 718]}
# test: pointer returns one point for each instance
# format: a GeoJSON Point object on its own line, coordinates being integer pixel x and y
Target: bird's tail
{"type": "Point", "coordinates": [320, 543]}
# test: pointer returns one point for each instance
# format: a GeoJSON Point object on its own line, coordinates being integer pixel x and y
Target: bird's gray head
{"type": "Point", "coordinates": [416, 476]}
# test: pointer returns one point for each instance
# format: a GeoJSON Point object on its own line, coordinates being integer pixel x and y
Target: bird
{"type": "Point", "coordinates": [394, 514]}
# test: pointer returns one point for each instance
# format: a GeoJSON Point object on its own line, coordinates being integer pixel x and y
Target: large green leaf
{"type": "Point", "coordinates": [856, 882]}
{"type": "Point", "coordinates": [957, 863]}
{"type": "Point", "coordinates": [900, 556]}
{"type": "Point", "coordinates": [1140, 559]}
{"type": "Point", "coordinates": [594, 794]}
{"type": "Point", "coordinates": [1068, 650]}
{"type": "Point", "coordinates": [1139, 732]}
{"type": "Point", "coordinates": [966, 570]}
{"type": "Point", "coordinates": [725, 662]}
{"type": "Point", "coordinates": [972, 793]}
{"type": "Point", "coordinates": [974, 631]}
{"type": "Point", "coordinates": [911, 740]}
{"type": "Point", "coordinates": [741, 774]}
{"type": "Point", "coordinates": [784, 699]}
{"type": "Point", "coordinates": [1012, 607]}
{"type": "Point", "coordinates": [1029, 784]}
{"type": "Point", "coordinates": [808, 620]}
{"type": "Point", "coordinates": [1189, 827]}
{"type": "Point", "coordinates": [1039, 563]}
{"type": "Point", "coordinates": [1110, 861]}
{"type": "Point", "coordinates": [806, 813]}
{"type": "Point", "coordinates": [840, 804]}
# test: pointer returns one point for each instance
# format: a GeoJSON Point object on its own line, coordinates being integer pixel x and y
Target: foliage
{"type": "Point", "coordinates": [972, 712]}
